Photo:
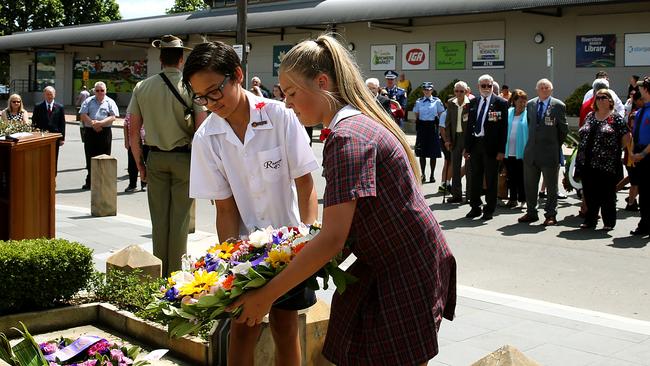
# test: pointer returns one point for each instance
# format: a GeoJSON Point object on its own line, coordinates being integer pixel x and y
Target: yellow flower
{"type": "Point", "coordinates": [223, 250]}
{"type": "Point", "coordinates": [278, 258]}
{"type": "Point", "coordinates": [202, 282]}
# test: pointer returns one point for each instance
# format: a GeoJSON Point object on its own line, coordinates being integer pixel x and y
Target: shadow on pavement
{"type": "Point", "coordinates": [72, 190]}
{"type": "Point", "coordinates": [71, 170]}
{"type": "Point", "coordinates": [82, 217]}
{"type": "Point", "coordinates": [517, 228]}
{"type": "Point", "coordinates": [630, 242]}
{"type": "Point", "coordinates": [583, 234]}
{"type": "Point", "coordinates": [462, 222]}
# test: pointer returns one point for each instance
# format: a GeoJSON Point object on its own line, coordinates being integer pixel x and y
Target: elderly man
{"type": "Point", "coordinates": [485, 144]}
{"type": "Point", "coordinates": [619, 107]}
{"type": "Point", "coordinates": [97, 115]}
{"type": "Point", "coordinates": [373, 85]}
{"type": "Point", "coordinates": [547, 129]}
{"type": "Point", "coordinates": [455, 127]}
{"type": "Point", "coordinates": [256, 82]}
{"type": "Point", "coordinates": [50, 116]}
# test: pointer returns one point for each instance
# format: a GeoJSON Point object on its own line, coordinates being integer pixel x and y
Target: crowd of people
{"type": "Point", "coordinates": [193, 131]}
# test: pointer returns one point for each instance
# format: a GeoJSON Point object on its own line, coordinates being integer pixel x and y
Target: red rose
{"type": "Point", "coordinates": [324, 133]}
{"type": "Point", "coordinates": [260, 105]}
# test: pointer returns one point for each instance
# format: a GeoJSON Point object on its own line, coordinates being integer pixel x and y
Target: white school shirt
{"type": "Point", "coordinates": [259, 173]}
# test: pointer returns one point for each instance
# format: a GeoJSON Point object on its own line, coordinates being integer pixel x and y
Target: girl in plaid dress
{"type": "Point", "coordinates": [406, 272]}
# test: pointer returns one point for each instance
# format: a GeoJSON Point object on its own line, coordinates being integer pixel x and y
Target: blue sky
{"type": "Point", "coordinates": [143, 8]}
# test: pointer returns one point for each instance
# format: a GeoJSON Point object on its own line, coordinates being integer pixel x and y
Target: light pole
{"type": "Point", "coordinates": [242, 38]}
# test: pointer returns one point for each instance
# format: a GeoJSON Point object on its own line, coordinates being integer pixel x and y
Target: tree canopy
{"type": "Point", "coordinates": [184, 6]}
{"type": "Point", "coordinates": [27, 15]}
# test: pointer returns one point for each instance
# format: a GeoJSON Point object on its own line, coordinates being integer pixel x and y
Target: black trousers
{"type": "Point", "coordinates": [600, 195]}
{"type": "Point", "coordinates": [515, 179]}
{"type": "Point", "coordinates": [133, 167]}
{"type": "Point", "coordinates": [642, 171]}
{"type": "Point", "coordinates": [96, 143]}
{"type": "Point", "coordinates": [483, 165]}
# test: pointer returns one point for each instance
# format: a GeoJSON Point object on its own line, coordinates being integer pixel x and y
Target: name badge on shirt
{"type": "Point", "coordinates": [260, 123]}
{"type": "Point", "coordinates": [465, 117]}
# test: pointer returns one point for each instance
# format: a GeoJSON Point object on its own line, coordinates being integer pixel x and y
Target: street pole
{"type": "Point", "coordinates": [549, 61]}
{"type": "Point", "coordinates": [242, 37]}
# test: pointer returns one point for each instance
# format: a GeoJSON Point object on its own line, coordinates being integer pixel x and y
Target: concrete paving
{"type": "Point", "coordinates": [562, 295]}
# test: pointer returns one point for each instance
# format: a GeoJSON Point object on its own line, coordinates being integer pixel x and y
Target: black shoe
{"type": "Point", "coordinates": [130, 189]}
{"type": "Point", "coordinates": [143, 187]}
{"type": "Point", "coordinates": [486, 216]}
{"type": "Point", "coordinates": [424, 180]}
{"type": "Point", "coordinates": [639, 231]}
{"type": "Point", "coordinates": [542, 194]}
{"type": "Point", "coordinates": [454, 200]}
{"type": "Point", "coordinates": [86, 186]}
{"type": "Point", "coordinates": [527, 219]}
{"type": "Point", "coordinates": [432, 179]}
{"type": "Point", "coordinates": [474, 212]}
{"type": "Point", "coordinates": [632, 206]}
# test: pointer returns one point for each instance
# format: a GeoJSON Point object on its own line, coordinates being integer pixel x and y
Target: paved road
{"type": "Point", "coordinates": [606, 272]}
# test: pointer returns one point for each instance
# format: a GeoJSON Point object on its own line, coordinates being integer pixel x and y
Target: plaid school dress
{"type": "Point", "coordinates": [406, 272]}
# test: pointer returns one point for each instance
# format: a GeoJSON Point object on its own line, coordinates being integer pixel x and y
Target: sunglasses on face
{"type": "Point", "coordinates": [99, 90]}
{"type": "Point", "coordinates": [213, 95]}
{"type": "Point", "coordinates": [486, 86]}
{"type": "Point", "coordinates": [602, 97]}
{"type": "Point", "coordinates": [15, 101]}
{"type": "Point", "coordinates": [459, 91]}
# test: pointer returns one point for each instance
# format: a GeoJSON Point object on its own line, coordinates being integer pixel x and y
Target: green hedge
{"type": "Point", "coordinates": [574, 101]}
{"type": "Point", "coordinates": [41, 273]}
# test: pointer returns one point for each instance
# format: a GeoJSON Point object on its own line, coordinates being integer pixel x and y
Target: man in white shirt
{"type": "Point", "coordinates": [619, 107]}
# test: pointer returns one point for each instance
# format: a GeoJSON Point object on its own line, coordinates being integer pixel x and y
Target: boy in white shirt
{"type": "Point", "coordinates": [251, 156]}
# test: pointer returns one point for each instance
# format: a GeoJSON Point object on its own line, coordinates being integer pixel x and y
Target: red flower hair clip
{"type": "Point", "coordinates": [324, 133]}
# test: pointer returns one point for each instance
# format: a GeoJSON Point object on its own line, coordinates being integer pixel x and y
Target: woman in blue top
{"type": "Point", "coordinates": [515, 145]}
{"type": "Point", "coordinates": [427, 131]}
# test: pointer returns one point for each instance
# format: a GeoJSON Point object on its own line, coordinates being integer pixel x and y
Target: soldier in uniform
{"type": "Point", "coordinates": [395, 93]}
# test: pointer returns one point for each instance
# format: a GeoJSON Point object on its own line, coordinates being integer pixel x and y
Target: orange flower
{"type": "Point", "coordinates": [299, 247]}
{"type": "Point", "coordinates": [227, 284]}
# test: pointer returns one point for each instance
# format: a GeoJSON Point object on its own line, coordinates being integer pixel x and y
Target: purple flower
{"type": "Point", "coordinates": [171, 294]}
{"type": "Point", "coordinates": [48, 348]}
{"type": "Point", "coordinates": [117, 355]}
{"type": "Point", "coordinates": [101, 347]}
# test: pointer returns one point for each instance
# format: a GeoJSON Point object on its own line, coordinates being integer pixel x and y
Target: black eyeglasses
{"type": "Point", "coordinates": [459, 91]}
{"type": "Point", "coordinates": [214, 95]}
{"type": "Point", "coordinates": [602, 97]}
{"type": "Point", "coordinates": [485, 86]}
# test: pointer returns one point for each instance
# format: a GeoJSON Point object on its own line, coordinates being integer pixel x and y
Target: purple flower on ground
{"type": "Point", "coordinates": [48, 348]}
{"type": "Point", "coordinates": [100, 347]}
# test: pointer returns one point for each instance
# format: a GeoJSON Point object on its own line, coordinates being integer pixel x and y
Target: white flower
{"type": "Point", "coordinates": [242, 268]}
{"type": "Point", "coordinates": [260, 238]}
{"type": "Point", "coordinates": [181, 278]}
{"type": "Point", "coordinates": [303, 239]}
{"type": "Point", "coordinates": [303, 229]}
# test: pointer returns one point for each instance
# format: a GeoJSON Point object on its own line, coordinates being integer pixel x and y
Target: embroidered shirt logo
{"type": "Point", "coordinates": [270, 164]}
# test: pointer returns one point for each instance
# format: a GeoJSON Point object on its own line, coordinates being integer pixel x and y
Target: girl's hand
{"type": "Point", "coordinates": [255, 305]}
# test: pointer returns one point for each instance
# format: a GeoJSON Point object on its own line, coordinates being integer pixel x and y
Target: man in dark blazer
{"type": "Point", "coordinates": [50, 116]}
{"type": "Point", "coordinates": [454, 137]}
{"type": "Point", "coordinates": [485, 144]}
{"type": "Point", "coordinates": [547, 129]}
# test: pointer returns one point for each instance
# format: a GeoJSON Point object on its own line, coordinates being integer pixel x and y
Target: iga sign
{"type": "Point", "coordinates": [382, 57]}
{"type": "Point", "coordinates": [489, 54]}
{"type": "Point", "coordinates": [637, 49]}
{"type": "Point", "coordinates": [415, 56]}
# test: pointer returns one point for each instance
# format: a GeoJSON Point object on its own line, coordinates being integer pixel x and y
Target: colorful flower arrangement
{"type": "Point", "coordinates": [90, 351]}
{"type": "Point", "coordinates": [87, 350]}
{"type": "Point", "coordinates": [200, 292]}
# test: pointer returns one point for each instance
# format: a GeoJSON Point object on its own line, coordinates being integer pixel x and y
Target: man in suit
{"type": "Point", "coordinates": [455, 127]}
{"type": "Point", "coordinates": [373, 85]}
{"type": "Point", "coordinates": [547, 129]}
{"type": "Point", "coordinates": [50, 116]}
{"type": "Point", "coordinates": [485, 143]}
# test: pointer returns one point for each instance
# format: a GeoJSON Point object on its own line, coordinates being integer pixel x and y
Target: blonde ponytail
{"type": "Point", "coordinates": [327, 55]}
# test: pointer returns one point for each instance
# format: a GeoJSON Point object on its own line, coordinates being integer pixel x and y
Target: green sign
{"type": "Point", "coordinates": [278, 55]}
{"type": "Point", "coordinates": [450, 55]}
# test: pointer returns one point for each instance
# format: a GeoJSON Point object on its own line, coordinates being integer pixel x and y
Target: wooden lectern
{"type": "Point", "coordinates": [27, 186]}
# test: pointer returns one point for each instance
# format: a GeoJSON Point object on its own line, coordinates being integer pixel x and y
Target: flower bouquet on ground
{"type": "Point", "coordinates": [87, 350]}
{"type": "Point", "coordinates": [200, 292]}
